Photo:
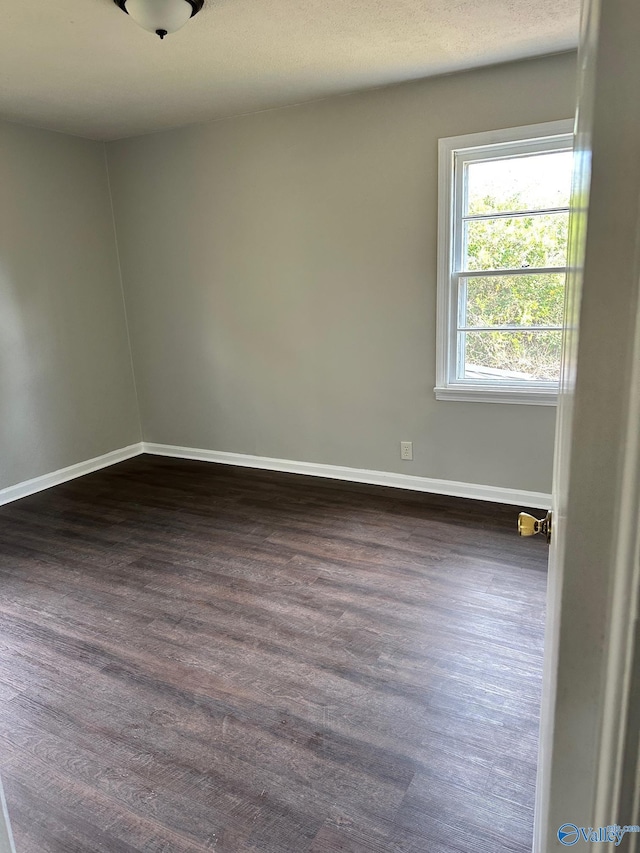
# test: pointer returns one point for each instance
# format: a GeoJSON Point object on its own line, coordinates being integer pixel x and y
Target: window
{"type": "Point", "coordinates": [503, 222]}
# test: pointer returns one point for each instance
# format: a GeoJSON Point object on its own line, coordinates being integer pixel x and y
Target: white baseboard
{"type": "Point", "coordinates": [496, 494]}
{"type": "Point", "coordinates": [46, 481]}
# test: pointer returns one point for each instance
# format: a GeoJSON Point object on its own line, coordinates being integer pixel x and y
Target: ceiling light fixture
{"type": "Point", "coordinates": [160, 16]}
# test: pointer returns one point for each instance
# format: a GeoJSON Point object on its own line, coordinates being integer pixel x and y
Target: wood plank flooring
{"type": "Point", "coordinates": [201, 658]}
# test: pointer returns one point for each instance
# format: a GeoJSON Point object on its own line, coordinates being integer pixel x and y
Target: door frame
{"type": "Point", "coordinates": [588, 760]}
{"type": "Point", "coordinates": [6, 836]}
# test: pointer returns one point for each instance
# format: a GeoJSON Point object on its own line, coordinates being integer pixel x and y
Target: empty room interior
{"type": "Point", "coordinates": [282, 302]}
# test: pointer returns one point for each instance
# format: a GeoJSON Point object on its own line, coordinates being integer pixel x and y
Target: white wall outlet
{"type": "Point", "coordinates": [406, 450]}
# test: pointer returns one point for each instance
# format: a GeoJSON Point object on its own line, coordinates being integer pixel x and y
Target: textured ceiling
{"type": "Point", "coordinates": [84, 67]}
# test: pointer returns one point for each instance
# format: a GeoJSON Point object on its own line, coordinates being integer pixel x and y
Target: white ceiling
{"type": "Point", "coordinates": [84, 67]}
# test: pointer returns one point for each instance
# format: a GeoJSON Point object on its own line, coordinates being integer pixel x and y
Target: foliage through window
{"type": "Point", "coordinates": [504, 215]}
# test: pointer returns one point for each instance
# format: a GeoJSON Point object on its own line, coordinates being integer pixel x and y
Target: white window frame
{"type": "Point", "coordinates": [454, 152]}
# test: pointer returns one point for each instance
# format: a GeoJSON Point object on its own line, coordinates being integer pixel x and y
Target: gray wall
{"type": "Point", "coordinates": [280, 278]}
{"type": "Point", "coordinates": [66, 384]}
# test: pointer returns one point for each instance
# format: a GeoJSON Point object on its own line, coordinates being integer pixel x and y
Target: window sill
{"type": "Point", "coordinates": [514, 396]}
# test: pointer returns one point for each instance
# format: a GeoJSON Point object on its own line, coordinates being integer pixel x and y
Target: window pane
{"type": "Point", "coordinates": [513, 300]}
{"type": "Point", "coordinates": [532, 182]}
{"type": "Point", "coordinates": [512, 356]}
{"type": "Point", "coordinates": [516, 242]}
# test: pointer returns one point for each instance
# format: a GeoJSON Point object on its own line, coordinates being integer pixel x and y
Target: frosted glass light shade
{"type": "Point", "coordinates": [159, 16]}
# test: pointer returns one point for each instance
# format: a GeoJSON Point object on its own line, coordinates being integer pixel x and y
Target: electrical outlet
{"type": "Point", "coordinates": [406, 450]}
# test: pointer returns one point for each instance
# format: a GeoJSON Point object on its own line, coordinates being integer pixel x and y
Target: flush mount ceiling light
{"type": "Point", "coordinates": [161, 16]}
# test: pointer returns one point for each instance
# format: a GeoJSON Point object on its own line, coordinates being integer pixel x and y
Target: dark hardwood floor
{"type": "Point", "coordinates": [197, 658]}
